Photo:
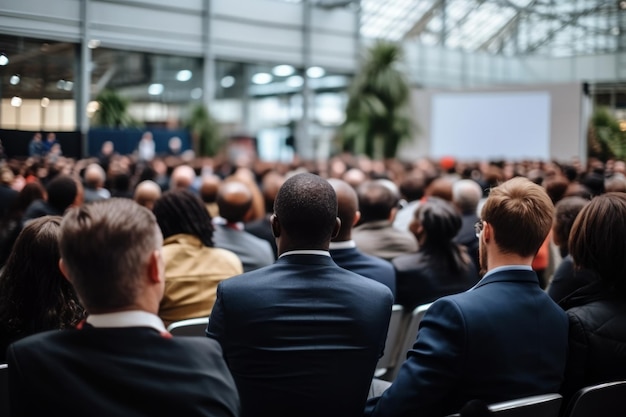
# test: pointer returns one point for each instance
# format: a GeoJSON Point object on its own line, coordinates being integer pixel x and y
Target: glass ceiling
{"type": "Point", "coordinates": [510, 27]}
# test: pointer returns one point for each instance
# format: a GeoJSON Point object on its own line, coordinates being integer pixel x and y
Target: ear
{"type": "Point", "coordinates": [155, 267]}
{"type": "Point", "coordinates": [64, 271]}
{"type": "Point", "coordinates": [336, 228]}
{"type": "Point", "coordinates": [392, 214]}
{"type": "Point", "coordinates": [275, 225]}
{"type": "Point", "coordinates": [487, 232]}
{"type": "Point", "coordinates": [357, 217]}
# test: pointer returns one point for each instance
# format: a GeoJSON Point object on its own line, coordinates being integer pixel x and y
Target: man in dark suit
{"type": "Point", "coordinates": [302, 336]}
{"type": "Point", "coordinates": [466, 194]}
{"type": "Point", "coordinates": [343, 249]}
{"type": "Point", "coordinates": [121, 361]}
{"type": "Point", "coordinates": [501, 340]}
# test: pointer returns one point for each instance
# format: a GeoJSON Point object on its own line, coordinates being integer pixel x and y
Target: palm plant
{"type": "Point", "coordinates": [605, 139]}
{"type": "Point", "coordinates": [377, 113]}
{"type": "Point", "coordinates": [112, 110]}
{"type": "Point", "coordinates": [204, 131]}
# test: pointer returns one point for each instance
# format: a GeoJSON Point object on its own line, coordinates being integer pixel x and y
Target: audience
{"type": "Point", "coordinates": [466, 195]}
{"type": "Point", "coordinates": [375, 234]}
{"type": "Point", "coordinates": [412, 191]}
{"type": "Point", "coordinates": [343, 250]}
{"type": "Point", "coordinates": [440, 266]}
{"type": "Point", "coordinates": [95, 178]}
{"type": "Point", "coordinates": [597, 311]}
{"type": "Point", "coordinates": [234, 199]}
{"type": "Point", "coordinates": [302, 336]}
{"type": "Point", "coordinates": [63, 192]}
{"type": "Point", "coordinates": [208, 192]}
{"type": "Point", "coordinates": [34, 295]}
{"type": "Point", "coordinates": [121, 361]}
{"type": "Point", "coordinates": [486, 344]}
{"type": "Point", "coordinates": [147, 193]}
{"type": "Point", "coordinates": [193, 267]}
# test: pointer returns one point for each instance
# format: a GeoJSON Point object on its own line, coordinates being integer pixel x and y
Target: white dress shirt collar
{"type": "Point", "coordinates": [306, 252]}
{"type": "Point", "coordinates": [346, 244]}
{"type": "Point", "coordinates": [132, 318]}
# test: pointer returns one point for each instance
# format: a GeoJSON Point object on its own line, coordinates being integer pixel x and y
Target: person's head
{"type": "Point", "coordinates": [517, 216]}
{"type": "Point", "coordinates": [440, 187]}
{"type": "Point", "coordinates": [34, 295]}
{"type": "Point", "coordinates": [466, 195]}
{"type": "Point", "coordinates": [51, 137]}
{"type": "Point", "coordinates": [64, 191]}
{"type": "Point", "coordinates": [111, 252]}
{"type": "Point", "coordinates": [597, 239]}
{"type": "Point", "coordinates": [94, 176]}
{"type": "Point", "coordinates": [234, 199]}
{"type": "Point", "coordinates": [435, 222]}
{"type": "Point", "coordinates": [182, 212]}
{"type": "Point", "coordinates": [147, 193]}
{"type": "Point", "coordinates": [565, 212]}
{"type": "Point", "coordinates": [182, 177]}
{"type": "Point", "coordinates": [271, 183]}
{"type": "Point", "coordinates": [378, 200]}
{"type": "Point", "coordinates": [31, 192]}
{"type": "Point", "coordinates": [305, 213]}
{"type": "Point", "coordinates": [209, 187]}
{"type": "Point", "coordinates": [347, 208]}
{"type": "Point", "coordinates": [413, 186]}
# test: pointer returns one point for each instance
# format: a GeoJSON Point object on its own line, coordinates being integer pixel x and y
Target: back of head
{"type": "Point", "coordinates": [347, 206]}
{"type": "Point", "coordinates": [106, 247]}
{"type": "Point", "coordinates": [376, 200]}
{"type": "Point", "coordinates": [413, 186]}
{"type": "Point", "coordinates": [62, 192]}
{"type": "Point", "coordinates": [182, 177]}
{"type": "Point", "coordinates": [520, 213]}
{"type": "Point", "coordinates": [147, 193]}
{"type": "Point", "coordinates": [441, 188]}
{"type": "Point", "coordinates": [34, 295]}
{"type": "Point", "coordinates": [234, 199]}
{"type": "Point", "coordinates": [597, 239]}
{"type": "Point", "coordinates": [271, 183]}
{"type": "Point", "coordinates": [440, 220]}
{"type": "Point", "coordinates": [94, 176]}
{"type": "Point", "coordinates": [466, 194]}
{"type": "Point", "coordinates": [209, 187]}
{"type": "Point", "coordinates": [182, 212]}
{"type": "Point", "coordinates": [565, 213]}
{"type": "Point", "coordinates": [306, 207]}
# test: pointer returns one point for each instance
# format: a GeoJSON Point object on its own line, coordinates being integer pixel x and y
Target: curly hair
{"type": "Point", "coordinates": [181, 211]}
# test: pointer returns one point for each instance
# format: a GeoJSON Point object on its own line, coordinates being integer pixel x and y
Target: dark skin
{"type": "Point", "coordinates": [348, 209]}
{"type": "Point", "coordinates": [287, 242]}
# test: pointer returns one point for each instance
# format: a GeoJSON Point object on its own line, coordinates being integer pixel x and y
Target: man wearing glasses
{"type": "Point", "coordinates": [501, 340]}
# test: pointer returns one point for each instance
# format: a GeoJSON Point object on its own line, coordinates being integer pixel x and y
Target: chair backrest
{"type": "Point", "coordinates": [4, 390]}
{"type": "Point", "coordinates": [598, 400]}
{"type": "Point", "coordinates": [408, 338]}
{"type": "Point", "coordinates": [189, 327]}
{"type": "Point", "coordinates": [547, 405]}
{"type": "Point", "coordinates": [393, 336]}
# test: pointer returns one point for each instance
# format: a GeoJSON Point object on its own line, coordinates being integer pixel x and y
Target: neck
{"type": "Point", "coordinates": [498, 259]}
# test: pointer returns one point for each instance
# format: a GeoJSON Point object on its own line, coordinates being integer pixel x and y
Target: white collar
{"type": "Point", "coordinates": [346, 244]}
{"type": "Point", "coordinates": [132, 318]}
{"type": "Point", "coordinates": [306, 252]}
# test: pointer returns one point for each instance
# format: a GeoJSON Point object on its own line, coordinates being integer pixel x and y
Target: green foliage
{"type": "Point", "coordinates": [377, 113]}
{"type": "Point", "coordinates": [113, 111]}
{"type": "Point", "coordinates": [204, 131]}
{"type": "Point", "coordinates": [605, 140]}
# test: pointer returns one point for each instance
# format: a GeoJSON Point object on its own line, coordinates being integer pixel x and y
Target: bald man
{"type": "Point", "coordinates": [94, 178]}
{"type": "Point", "coordinates": [343, 249]}
{"type": "Point", "coordinates": [182, 178]}
{"type": "Point", "coordinates": [208, 192]}
{"type": "Point", "coordinates": [271, 183]}
{"type": "Point", "coordinates": [234, 199]}
{"type": "Point", "coordinates": [146, 193]}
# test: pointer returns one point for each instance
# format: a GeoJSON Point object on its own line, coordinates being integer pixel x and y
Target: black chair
{"type": "Point", "coordinates": [547, 405]}
{"type": "Point", "coordinates": [4, 390]}
{"type": "Point", "coordinates": [601, 400]}
{"type": "Point", "coordinates": [189, 327]}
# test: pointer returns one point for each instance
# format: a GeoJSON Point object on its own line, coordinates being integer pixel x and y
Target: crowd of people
{"type": "Point", "coordinates": [297, 265]}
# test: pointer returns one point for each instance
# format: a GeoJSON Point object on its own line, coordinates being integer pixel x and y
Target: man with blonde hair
{"type": "Point", "coordinates": [501, 340]}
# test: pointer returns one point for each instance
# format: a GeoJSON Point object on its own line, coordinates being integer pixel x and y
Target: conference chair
{"type": "Point", "coordinates": [546, 405]}
{"type": "Point", "coordinates": [4, 390]}
{"type": "Point", "coordinates": [189, 327]}
{"type": "Point", "coordinates": [387, 361]}
{"type": "Point", "coordinates": [407, 339]}
{"type": "Point", "coordinates": [599, 400]}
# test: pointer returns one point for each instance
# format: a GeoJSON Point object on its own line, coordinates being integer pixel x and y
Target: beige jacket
{"type": "Point", "coordinates": [192, 272]}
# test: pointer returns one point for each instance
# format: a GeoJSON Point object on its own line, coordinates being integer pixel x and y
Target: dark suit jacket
{"type": "Point", "coordinates": [301, 337]}
{"type": "Point", "coordinates": [567, 280]}
{"type": "Point", "coordinates": [262, 229]}
{"type": "Point", "coordinates": [502, 340]}
{"type": "Point", "coordinates": [369, 266]}
{"type": "Point", "coordinates": [127, 372]}
{"type": "Point", "coordinates": [467, 237]}
{"type": "Point", "coordinates": [422, 277]}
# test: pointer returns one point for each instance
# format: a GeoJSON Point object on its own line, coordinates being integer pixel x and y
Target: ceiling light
{"type": "Point", "coordinates": [68, 86]}
{"type": "Point", "coordinates": [615, 31]}
{"type": "Point", "coordinates": [16, 101]}
{"type": "Point", "coordinates": [315, 72]}
{"type": "Point", "coordinates": [184, 75]}
{"type": "Point", "coordinates": [228, 81]}
{"type": "Point", "coordinates": [3, 60]}
{"type": "Point", "coordinates": [93, 43]}
{"type": "Point", "coordinates": [155, 89]}
{"type": "Point", "coordinates": [283, 70]}
{"type": "Point", "coordinates": [45, 102]}
{"type": "Point", "coordinates": [61, 84]}
{"type": "Point", "coordinates": [196, 93]}
{"type": "Point", "coordinates": [294, 81]}
{"type": "Point", "coordinates": [622, 5]}
{"type": "Point", "coordinates": [15, 79]}
{"type": "Point", "coordinates": [262, 78]}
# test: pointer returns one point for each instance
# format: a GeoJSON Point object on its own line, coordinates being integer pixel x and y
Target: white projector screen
{"type": "Point", "coordinates": [477, 126]}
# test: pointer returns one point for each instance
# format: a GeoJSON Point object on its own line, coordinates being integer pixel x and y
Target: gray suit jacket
{"type": "Point", "coordinates": [254, 252]}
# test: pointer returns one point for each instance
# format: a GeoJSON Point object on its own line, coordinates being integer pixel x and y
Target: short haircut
{"type": "Point", "coordinates": [234, 200]}
{"type": "Point", "coordinates": [182, 212]}
{"type": "Point", "coordinates": [62, 191]}
{"type": "Point", "coordinates": [376, 200]}
{"type": "Point", "coordinates": [597, 239]}
{"type": "Point", "coordinates": [106, 247]}
{"type": "Point", "coordinates": [466, 194]}
{"type": "Point", "coordinates": [306, 207]}
{"type": "Point", "coordinates": [520, 213]}
{"type": "Point", "coordinates": [413, 186]}
{"type": "Point", "coordinates": [565, 212]}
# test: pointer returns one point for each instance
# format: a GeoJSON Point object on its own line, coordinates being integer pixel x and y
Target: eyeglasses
{"type": "Point", "coordinates": [478, 228]}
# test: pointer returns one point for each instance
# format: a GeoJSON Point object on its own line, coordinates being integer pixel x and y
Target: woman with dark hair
{"type": "Point", "coordinates": [440, 267]}
{"type": "Point", "coordinates": [597, 311]}
{"type": "Point", "coordinates": [193, 267]}
{"type": "Point", "coordinates": [34, 294]}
